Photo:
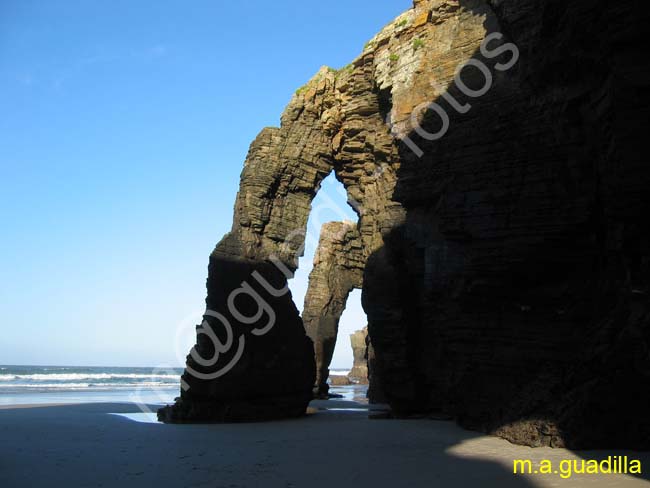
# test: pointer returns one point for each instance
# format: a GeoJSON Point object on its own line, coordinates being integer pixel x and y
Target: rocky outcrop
{"type": "Point", "coordinates": [506, 270]}
{"type": "Point", "coordinates": [338, 269]}
{"type": "Point", "coordinates": [359, 343]}
{"type": "Point", "coordinates": [338, 380]}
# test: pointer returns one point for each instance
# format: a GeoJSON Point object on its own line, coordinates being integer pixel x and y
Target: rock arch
{"type": "Point", "coordinates": [334, 123]}
{"type": "Point", "coordinates": [506, 276]}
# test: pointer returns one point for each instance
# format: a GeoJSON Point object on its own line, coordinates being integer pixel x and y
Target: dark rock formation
{"type": "Point", "coordinates": [375, 392]}
{"type": "Point", "coordinates": [514, 293]}
{"type": "Point", "coordinates": [338, 269]}
{"type": "Point", "coordinates": [507, 263]}
{"type": "Point", "coordinates": [263, 375]}
{"type": "Point", "coordinates": [359, 343]}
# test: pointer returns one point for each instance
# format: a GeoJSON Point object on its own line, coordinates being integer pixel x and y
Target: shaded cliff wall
{"type": "Point", "coordinates": [516, 288]}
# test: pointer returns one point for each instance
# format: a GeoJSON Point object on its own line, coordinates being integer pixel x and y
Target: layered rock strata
{"type": "Point", "coordinates": [507, 262]}
{"type": "Point", "coordinates": [338, 269]}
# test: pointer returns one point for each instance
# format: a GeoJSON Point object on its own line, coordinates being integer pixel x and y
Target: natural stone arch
{"type": "Point", "coordinates": [337, 122]}
{"type": "Point", "coordinates": [338, 269]}
{"type": "Point", "coordinates": [507, 264]}
{"type": "Point", "coordinates": [334, 123]}
{"type": "Point", "coordinates": [253, 360]}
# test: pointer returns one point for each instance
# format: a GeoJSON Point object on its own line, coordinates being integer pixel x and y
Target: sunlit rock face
{"type": "Point", "coordinates": [506, 259]}
{"type": "Point", "coordinates": [338, 269]}
{"type": "Point", "coordinates": [359, 342]}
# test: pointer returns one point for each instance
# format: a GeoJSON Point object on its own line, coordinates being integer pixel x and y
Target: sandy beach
{"type": "Point", "coordinates": [337, 445]}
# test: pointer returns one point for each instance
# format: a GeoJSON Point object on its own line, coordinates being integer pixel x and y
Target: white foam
{"type": "Point", "coordinates": [73, 386]}
{"type": "Point", "coordinates": [339, 372]}
{"type": "Point", "coordinates": [84, 376]}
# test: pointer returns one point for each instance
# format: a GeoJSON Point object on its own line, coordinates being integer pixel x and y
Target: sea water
{"type": "Point", "coordinates": [73, 384]}
{"type": "Point", "coordinates": [26, 385]}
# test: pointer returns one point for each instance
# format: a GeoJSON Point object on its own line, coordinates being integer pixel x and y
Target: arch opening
{"type": "Point", "coordinates": [327, 287]}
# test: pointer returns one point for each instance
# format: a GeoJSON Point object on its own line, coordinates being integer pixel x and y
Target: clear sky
{"type": "Point", "coordinates": [123, 128]}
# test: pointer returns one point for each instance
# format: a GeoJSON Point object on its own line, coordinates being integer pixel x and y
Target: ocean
{"type": "Point", "coordinates": [73, 384]}
{"type": "Point", "coordinates": [25, 385]}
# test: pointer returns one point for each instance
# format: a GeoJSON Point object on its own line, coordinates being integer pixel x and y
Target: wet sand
{"type": "Point", "coordinates": [337, 446]}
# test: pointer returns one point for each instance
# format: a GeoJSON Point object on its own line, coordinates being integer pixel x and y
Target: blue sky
{"type": "Point", "coordinates": [123, 130]}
